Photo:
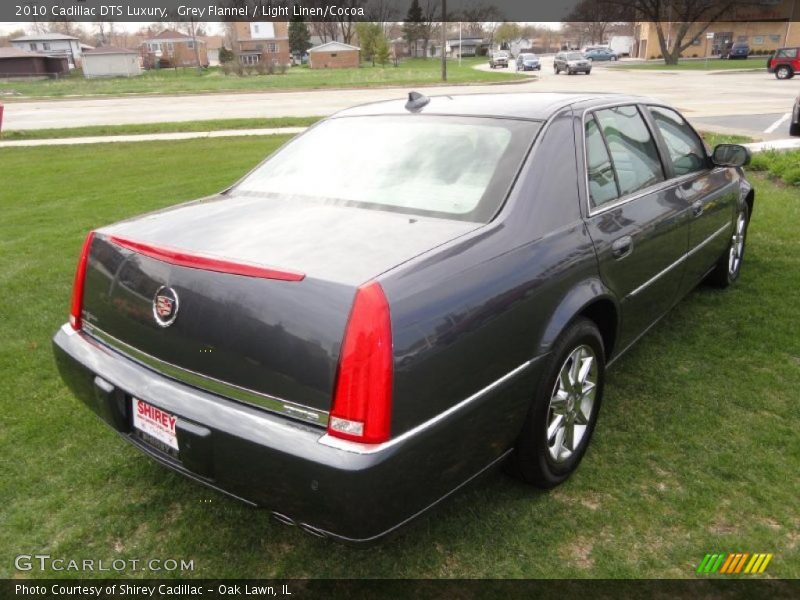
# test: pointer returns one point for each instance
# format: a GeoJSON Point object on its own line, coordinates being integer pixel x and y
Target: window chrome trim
{"type": "Point", "coordinates": [210, 384]}
{"type": "Point", "coordinates": [359, 448]}
{"type": "Point", "coordinates": [592, 211]}
{"type": "Point", "coordinates": [678, 262]}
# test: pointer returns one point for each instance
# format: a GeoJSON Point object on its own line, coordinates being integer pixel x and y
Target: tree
{"type": "Point", "coordinates": [682, 16]}
{"type": "Point", "coordinates": [226, 56]}
{"type": "Point", "coordinates": [382, 50]}
{"type": "Point", "coordinates": [592, 18]}
{"type": "Point", "coordinates": [299, 36]}
{"type": "Point", "coordinates": [507, 32]}
{"type": "Point", "coordinates": [369, 37]}
{"type": "Point", "coordinates": [411, 26]}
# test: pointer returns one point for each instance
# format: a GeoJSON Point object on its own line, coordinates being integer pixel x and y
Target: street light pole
{"type": "Point", "coordinates": [444, 40]}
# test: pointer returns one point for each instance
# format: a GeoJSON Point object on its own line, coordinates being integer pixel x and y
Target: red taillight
{"type": "Point", "coordinates": [362, 404]}
{"type": "Point", "coordinates": [77, 287]}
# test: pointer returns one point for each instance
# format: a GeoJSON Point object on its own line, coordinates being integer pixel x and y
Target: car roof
{"type": "Point", "coordinates": [527, 105]}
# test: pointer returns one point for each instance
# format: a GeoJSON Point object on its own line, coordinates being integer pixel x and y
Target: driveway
{"type": "Point", "coordinates": [697, 94]}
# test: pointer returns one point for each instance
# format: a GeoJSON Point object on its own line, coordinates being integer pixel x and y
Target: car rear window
{"type": "Point", "coordinates": [451, 167]}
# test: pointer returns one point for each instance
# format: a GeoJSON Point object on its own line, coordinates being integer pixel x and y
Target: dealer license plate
{"type": "Point", "coordinates": [157, 425]}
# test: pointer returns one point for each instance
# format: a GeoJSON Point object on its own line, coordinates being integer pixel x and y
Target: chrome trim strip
{"type": "Point", "coordinates": [663, 272]}
{"type": "Point", "coordinates": [359, 448]}
{"type": "Point", "coordinates": [210, 384]}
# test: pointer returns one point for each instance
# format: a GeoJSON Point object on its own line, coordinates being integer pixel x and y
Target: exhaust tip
{"type": "Point", "coordinates": [283, 519]}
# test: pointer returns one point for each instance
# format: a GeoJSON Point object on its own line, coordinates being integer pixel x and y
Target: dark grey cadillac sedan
{"type": "Point", "coordinates": [402, 297]}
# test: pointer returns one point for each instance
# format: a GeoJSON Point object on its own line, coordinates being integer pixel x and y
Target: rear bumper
{"type": "Point", "coordinates": [343, 491]}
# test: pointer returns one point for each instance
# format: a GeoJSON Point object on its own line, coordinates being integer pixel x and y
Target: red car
{"type": "Point", "coordinates": [785, 62]}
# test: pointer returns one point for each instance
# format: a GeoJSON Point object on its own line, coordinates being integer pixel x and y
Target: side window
{"type": "Point", "coordinates": [602, 182]}
{"type": "Point", "coordinates": [633, 151]}
{"type": "Point", "coordinates": [787, 53]}
{"type": "Point", "coordinates": [686, 151]}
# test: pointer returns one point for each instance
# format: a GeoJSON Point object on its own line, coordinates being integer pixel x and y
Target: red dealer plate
{"type": "Point", "coordinates": [156, 423]}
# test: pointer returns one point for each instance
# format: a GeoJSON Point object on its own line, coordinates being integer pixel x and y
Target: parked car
{"type": "Point", "coordinates": [784, 62]}
{"type": "Point", "coordinates": [794, 126]}
{"type": "Point", "coordinates": [571, 62]}
{"type": "Point", "coordinates": [346, 343]}
{"type": "Point", "coordinates": [499, 59]}
{"type": "Point", "coordinates": [528, 62]}
{"type": "Point", "coordinates": [735, 50]}
{"type": "Point", "coordinates": [600, 54]}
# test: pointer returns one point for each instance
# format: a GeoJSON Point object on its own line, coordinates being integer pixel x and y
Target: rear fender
{"type": "Point", "coordinates": [577, 299]}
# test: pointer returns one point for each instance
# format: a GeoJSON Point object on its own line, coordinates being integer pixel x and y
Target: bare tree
{"type": "Point", "coordinates": [686, 15]}
{"type": "Point", "coordinates": [595, 17]}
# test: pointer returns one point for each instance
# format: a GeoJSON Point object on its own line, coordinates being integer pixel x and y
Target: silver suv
{"type": "Point", "coordinates": [572, 62]}
{"type": "Point", "coordinates": [499, 59]}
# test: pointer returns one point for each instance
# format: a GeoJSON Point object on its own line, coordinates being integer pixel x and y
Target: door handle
{"type": "Point", "coordinates": [622, 247]}
{"type": "Point", "coordinates": [697, 208]}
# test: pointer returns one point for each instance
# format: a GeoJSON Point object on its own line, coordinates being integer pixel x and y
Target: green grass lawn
{"type": "Point", "coordinates": [696, 449]}
{"type": "Point", "coordinates": [713, 64]}
{"type": "Point", "coordinates": [170, 127]}
{"type": "Point", "coordinates": [411, 72]}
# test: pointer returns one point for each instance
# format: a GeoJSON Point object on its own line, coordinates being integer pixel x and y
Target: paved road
{"type": "Point", "coordinates": [771, 126]}
{"type": "Point", "coordinates": [698, 94]}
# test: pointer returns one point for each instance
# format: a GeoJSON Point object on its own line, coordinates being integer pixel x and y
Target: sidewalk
{"type": "Point", "coordinates": [786, 144]}
{"type": "Point", "coordinates": [152, 137]}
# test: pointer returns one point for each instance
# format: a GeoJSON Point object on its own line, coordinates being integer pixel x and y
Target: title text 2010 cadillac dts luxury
{"type": "Point", "coordinates": [345, 337]}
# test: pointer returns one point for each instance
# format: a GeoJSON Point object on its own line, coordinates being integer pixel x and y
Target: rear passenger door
{"type": "Point", "coordinates": [710, 193]}
{"type": "Point", "coordinates": [638, 225]}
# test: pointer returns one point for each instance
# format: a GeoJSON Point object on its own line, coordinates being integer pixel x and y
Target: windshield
{"type": "Point", "coordinates": [528, 57]}
{"type": "Point", "coordinates": [451, 167]}
{"type": "Point", "coordinates": [574, 56]}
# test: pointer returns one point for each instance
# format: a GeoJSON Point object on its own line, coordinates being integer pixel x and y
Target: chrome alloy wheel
{"type": "Point", "coordinates": [737, 245]}
{"type": "Point", "coordinates": [571, 403]}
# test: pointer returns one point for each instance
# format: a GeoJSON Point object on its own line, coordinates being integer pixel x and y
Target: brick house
{"type": "Point", "coordinates": [261, 42]}
{"type": "Point", "coordinates": [172, 48]}
{"type": "Point", "coordinates": [334, 55]}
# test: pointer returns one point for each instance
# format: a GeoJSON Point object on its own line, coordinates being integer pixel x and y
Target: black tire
{"type": "Point", "coordinates": [589, 72]}
{"type": "Point", "coordinates": [557, 70]}
{"type": "Point", "coordinates": [570, 72]}
{"type": "Point", "coordinates": [794, 128]}
{"type": "Point", "coordinates": [723, 275]}
{"type": "Point", "coordinates": [784, 72]}
{"type": "Point", "coordinates": [532, 460]}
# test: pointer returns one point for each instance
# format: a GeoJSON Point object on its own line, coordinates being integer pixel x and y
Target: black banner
{"type": "Point", "coordinates": [396, 10]}
{"type": "Point", "coordinates": [452, 589]}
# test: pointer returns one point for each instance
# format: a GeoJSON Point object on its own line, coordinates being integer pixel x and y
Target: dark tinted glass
{"type": "Point", "coordinates": [633, 151]}
{"type": "Point", "coordinates": [602, 184]}
{"type": "Point", "coordinates": [686, 150]}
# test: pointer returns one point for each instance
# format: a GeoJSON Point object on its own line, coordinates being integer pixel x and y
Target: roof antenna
{"type": "Point", "coordinates": [416, 101]}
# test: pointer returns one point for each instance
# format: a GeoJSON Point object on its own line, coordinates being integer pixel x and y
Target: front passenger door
{"type": "Point", "coordinates": [638, 226]}
{"type": "Point", "coordinates": [710, 193]}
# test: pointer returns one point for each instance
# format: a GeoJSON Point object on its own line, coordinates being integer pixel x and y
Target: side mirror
{"type": "Point", "coordinates": [731, 155]}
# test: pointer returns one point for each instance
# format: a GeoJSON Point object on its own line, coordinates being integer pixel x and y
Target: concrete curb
{"type": "Point", "coordinates": [755, 147]}
{"type": "Point", "coordinates": [151, 137]}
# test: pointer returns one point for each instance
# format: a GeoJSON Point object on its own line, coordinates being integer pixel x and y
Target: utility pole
{"type": "Point", "coordinates": [444, 40]}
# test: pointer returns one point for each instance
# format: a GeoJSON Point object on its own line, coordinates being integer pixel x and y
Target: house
{"type": "Point", "coordinates": [467, 46]}
{"type": "Point", "coordinates": [334, 55]}
{"type": "Point", "coordinates": [110, 61]}
{"type": "Point", "coordinates": [261, 42]}
{"type": "Point", "coordinates": [24, 63]}
{"type": "Point", "coordinates": [765, 27]}
{"type": "Point", "coordinates": [172, 48]}
{"type": "Point", "coordinates": [52, 44]}
{"type": "Point", "coordinates": [214, 44]}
